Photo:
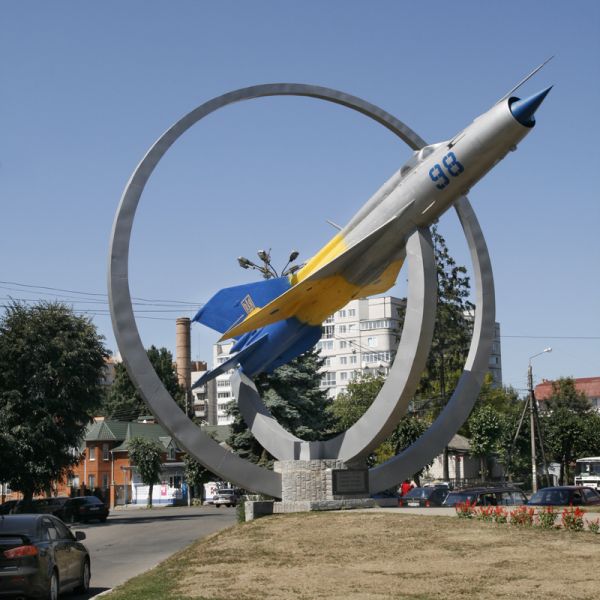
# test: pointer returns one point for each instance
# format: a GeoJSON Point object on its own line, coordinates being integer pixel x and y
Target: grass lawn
{"type": "Point", "coordinates": [375, 556]}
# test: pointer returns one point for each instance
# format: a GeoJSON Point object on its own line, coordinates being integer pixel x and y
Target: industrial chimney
{"type": "Point", "coordinates": [183, 354]}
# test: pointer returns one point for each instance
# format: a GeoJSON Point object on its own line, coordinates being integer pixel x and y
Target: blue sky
{"type": "Point", "coordinates": [87, 88]}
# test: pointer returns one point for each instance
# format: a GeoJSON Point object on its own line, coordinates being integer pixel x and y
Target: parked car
{"type": "Point", "coordinates": [225, 497]}
{"type": "Point", "coordinates": [49, 506]}
{"type": "Point", "coordinates": [566, 495]}
{"type": "Point", "coordinates": [9, 506]}
{"type": "Point", "coordinates": [490, 496]}
{"type": "Point", "coordinates": [41, 557]}
{"type": "Point", "coordinates": [424, 496]}
{"type": "Point", "coordinates": [82, 509]}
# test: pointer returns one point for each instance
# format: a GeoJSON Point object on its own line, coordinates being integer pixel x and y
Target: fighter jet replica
{"type": "Point", "coordinates": [275, 320]}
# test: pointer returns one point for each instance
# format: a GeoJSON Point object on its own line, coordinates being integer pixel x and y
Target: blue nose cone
{"type": "Point", "coordinates": [523, 110]}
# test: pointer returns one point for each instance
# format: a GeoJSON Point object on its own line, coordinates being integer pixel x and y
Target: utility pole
{"type": "Point", "coordinates": [532, 428]}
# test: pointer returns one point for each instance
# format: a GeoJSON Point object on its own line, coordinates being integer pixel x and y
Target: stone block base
{"type": "Point", "coordinates": [255, 510]}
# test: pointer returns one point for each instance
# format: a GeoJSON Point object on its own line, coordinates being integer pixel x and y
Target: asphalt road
{"type": "Point", "coordinates": [134, 540]}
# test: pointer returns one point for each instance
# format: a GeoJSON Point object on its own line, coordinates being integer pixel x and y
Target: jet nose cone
{"type": "Point", "coordinates": [523, 110]}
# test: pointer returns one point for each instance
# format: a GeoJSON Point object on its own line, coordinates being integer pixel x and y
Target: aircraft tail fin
{"type": "Point", "coordinates": [231, 362]}
{"type": "Point", "coordinates": [230, 305]}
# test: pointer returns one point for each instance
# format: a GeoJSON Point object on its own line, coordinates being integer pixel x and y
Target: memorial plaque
{"type": "Point", "coordinates": [350, 481]}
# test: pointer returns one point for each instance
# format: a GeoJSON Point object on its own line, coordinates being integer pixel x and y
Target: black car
{"type": "Point", "coordinates": [9, 506]}
{"type": "Point", "coordinates": [566, 495]}
{"type": "Point", "coordinates": [490, 496]}
{"type": "Point", "coordinates": [40, 557]}
{"type": "Point", "coordinates": [424, 496]}
{"type": "Point", "coordinates": [82, 509]}
{"type": "Point", "coordinates": [49, 506]}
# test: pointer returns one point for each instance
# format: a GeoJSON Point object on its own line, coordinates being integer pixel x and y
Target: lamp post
{"type": "Point", "coordinates": [532, 419]}
{"type": "Point", "coordinates": [267, 269]}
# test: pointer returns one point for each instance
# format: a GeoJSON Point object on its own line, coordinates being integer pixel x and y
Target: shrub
{"type": "Point", "coordinates": [485, 513]}
{"type": "Point", "coordinates": [500, 516]}
{"type": "Point", "coordinates": [572, 519]}
{"type": "Point", "coordinates": [594, 526]}
{"type": "Point", "coordinates": [464, 510]}
{"type": "Point", "coordinates": [522, 516]}
{"type": "Point", "coordinates": [547, 517]}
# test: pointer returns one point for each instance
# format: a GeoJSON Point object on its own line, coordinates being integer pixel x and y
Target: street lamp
{"type": "Point", "coordinates": [532, 420]}
{"type": "Point", "coordinates": [266, 268]}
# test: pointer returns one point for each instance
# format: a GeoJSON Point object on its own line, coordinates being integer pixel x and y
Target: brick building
{"type": "Point", "coordinates": [590, 386]}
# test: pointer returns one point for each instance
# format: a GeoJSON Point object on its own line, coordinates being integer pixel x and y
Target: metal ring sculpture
{"type": "Point", "coordinates": [391, 402]}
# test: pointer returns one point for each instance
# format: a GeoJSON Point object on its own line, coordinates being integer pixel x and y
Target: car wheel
{"type": "Point", "coordinates": [53, 586]}
{"type": "Point", "coordinates": [84, 581]}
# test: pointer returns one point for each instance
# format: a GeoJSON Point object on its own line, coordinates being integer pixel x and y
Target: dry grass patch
{"type": "Point", "coordinates": [375, 556]}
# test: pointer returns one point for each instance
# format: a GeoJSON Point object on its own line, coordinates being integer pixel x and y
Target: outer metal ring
{"type": "Point", "coordinates": [191, 438]}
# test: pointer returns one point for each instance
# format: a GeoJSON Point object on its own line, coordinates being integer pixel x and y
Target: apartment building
{"type": "Point", "coordinates": [360, 338]}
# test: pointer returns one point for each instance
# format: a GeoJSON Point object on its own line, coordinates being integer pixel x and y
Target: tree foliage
{"type": "Point", "coordinates": [51, 366]}
{"type": "Point", "coordinates": [196, 475]}
{"type": "Point", "coordinates": [350, 405]}
{"type": "Point", "coordinates": [294, 396]}
{"type": "Point", "coordinates": [487, 427]}
{"type": "Point", "coordinates": [123, 401]}
{"type": "Point", "coordinates": [565, 395]}
{"type": "Point", "coordinates": [146, 456]}
{"type": "Point", "coordinates": [452, 330]}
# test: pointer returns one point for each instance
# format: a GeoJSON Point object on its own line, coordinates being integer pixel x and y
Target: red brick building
{"type": "Point", "coordinates": [590, 386]}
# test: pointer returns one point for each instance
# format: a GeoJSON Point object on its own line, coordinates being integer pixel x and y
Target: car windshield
{"type": "Point", "coordinates": [17, 524]}
{"type": "Point", "coordinates": [459, 498]}
{"type": "Point", "coordinates": [419, 493]}
{"type": "Point", "coordinates": [550, 496]}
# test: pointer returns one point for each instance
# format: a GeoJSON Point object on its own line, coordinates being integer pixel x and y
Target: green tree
{"type": "Point", "coordinates": [564, 438]}
{"type": "Point", "coordinates": [146, 456]}
{"type": "Point", "coordinates": [350, 405]}
{"type": "Point", "coordinates": [486, 425]}
{"type": "Point", "coordinates": [51, 365]}
{"type": "Point", "coordinates": [565, 395]}
{"type": "Point", "coordinates": [196, 476]}
{"type": "Point", "coordinates": [294, 396]}
{"type": "Point", "coordinates": [453, 327]}
{"type": "Point", "coordinates": [123, 401]}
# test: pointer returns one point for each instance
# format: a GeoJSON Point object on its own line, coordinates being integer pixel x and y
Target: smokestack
{"type": "Point", "coordinates": [183, 353]}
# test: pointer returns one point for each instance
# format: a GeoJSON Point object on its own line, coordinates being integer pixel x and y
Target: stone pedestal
{"type": "Point", "coordinates": [321, 485]}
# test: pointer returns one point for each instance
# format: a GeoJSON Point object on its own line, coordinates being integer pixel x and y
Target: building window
{"type": "Point", "coordinates": [378, 324]}
{"type": "Point", "coordinates": [171, 453]}
{"type": "Point", "coordinates": [324, 345]}
{"type": "Point", "coordinates": [343, 375]}
{"type": "Point", "coordinates": [351, 312]}
{"type": "Point", "coordinates": [92, 482]}
{"type": "Point", "coordinates": [104, 480]}
{"type": "Point", "coordinates": [223, 395]}
{"type": "Point", "coordinates": [223, 383]}
{"type": "Point", "coordinates": [374, 357]}
{"type": "Point", "coordinates": [372, 342]}
{"type": "Point", "coordinates": [328, 331]}
{"type": "Point", "coordinates": [343, 360]}
{"type": "Point", "coordinates": [353, 359]}
{"type": "Point", "coordinates": [341, 328]}
{"type": "Point", "coordinates": [328, 361]}
{"type": "Point", "coordinates": [352, 327]}
{"type": "Point", "coordinates": [328, 379]}
{"type": "Point", "coordinates": [342, 313]}
{"type": "Point", "coordinates": [343, 344]}
{"type": "Point", "coordinates": [92, 450]}
{"type": "Point", "coordinates": [105, 452]}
